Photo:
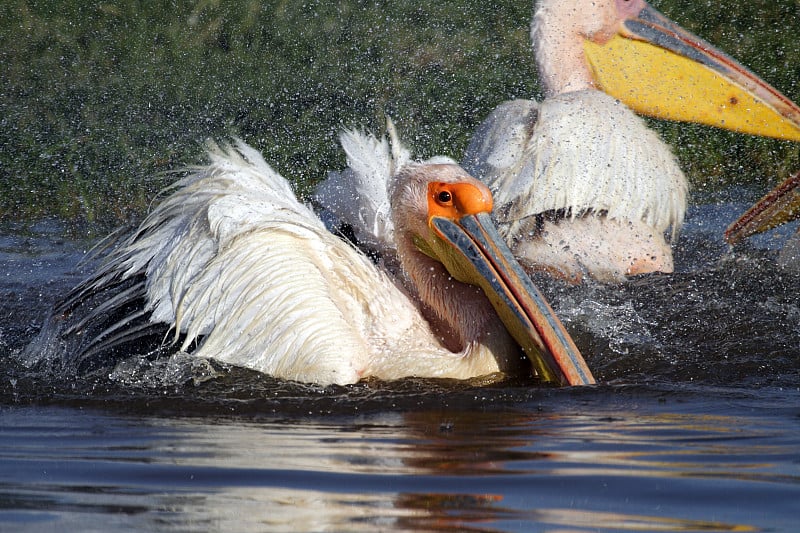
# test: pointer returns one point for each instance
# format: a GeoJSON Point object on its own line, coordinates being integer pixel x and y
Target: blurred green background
{"type": "Point", "coordinates": [100, 98]}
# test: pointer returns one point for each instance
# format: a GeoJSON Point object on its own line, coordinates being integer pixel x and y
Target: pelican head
{"type": "Point", "coordinates": [635, 54]}
{"type": "Point", "coordinates": [443, 213]}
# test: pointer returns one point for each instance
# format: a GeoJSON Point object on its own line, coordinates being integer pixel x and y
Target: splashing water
{"type": "Point", "coordinates": [721, 318]}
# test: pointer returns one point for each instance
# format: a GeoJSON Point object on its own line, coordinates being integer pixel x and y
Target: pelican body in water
{"type": "Point", "coordinates": [581, 185]}
{"type": "Point", "coordinates": [244, 273]}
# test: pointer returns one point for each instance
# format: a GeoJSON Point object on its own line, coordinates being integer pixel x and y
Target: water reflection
{"type": "Point", "coordinates": [533, 467]}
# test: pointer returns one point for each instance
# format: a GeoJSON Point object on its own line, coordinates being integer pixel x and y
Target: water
{"type": "Point", "coordinates": [695, 426]}
{"type": "Point", "coordinates": [494, 460]}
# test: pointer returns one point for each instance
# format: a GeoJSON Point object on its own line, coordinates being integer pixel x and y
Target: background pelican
{"type": "Point", "coordinates": [582, 186]}
{"type": "Point", "coordinates": [246, 274]}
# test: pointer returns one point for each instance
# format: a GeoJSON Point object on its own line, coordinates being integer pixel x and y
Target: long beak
{"type": "Point", "coordinates": [781, 204]}
{"type": "Point", "coordinates": [480, 257]}
{"type": "Point", "coordinates": [659, 69]}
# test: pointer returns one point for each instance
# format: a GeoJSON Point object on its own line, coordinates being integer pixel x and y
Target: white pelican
{"type": "Point", "coordinates": [246, 274]}
{"type": "Point", "coordinates": [581, 185]}
{"type": "Point", "coordinates": [780, 205]}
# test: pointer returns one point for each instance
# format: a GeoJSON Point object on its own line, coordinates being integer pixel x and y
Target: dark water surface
{"type": "Point", "coordinates": [695, 427]}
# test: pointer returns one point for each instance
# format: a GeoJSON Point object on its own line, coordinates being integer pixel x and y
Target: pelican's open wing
{"type": "Point", "coordinates": [234, 263]}
{"type": "Point", "coordinates": [358, 195]}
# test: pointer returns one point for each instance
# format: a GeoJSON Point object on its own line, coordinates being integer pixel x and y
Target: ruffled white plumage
{"type": "Point", "coordinates": [562, 154]}
{"type": "Point", "coordinates": [575, 154]}
{"type": "Point", "coordinates": [246, 274]}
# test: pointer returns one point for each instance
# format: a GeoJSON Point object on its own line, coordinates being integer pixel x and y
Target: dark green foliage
{"type": "Point", "coordinates": [99, 99]}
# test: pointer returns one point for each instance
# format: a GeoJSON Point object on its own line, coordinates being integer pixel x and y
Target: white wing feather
{"type": "Point", "coordinates": [359, 195]}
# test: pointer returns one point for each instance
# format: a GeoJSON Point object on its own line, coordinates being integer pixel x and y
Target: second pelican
{"type": "Point", "coordinates": [582, 186]}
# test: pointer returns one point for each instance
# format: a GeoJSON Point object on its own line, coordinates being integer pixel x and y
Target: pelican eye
{"type": "Point", "coordinates": [445, 197]}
